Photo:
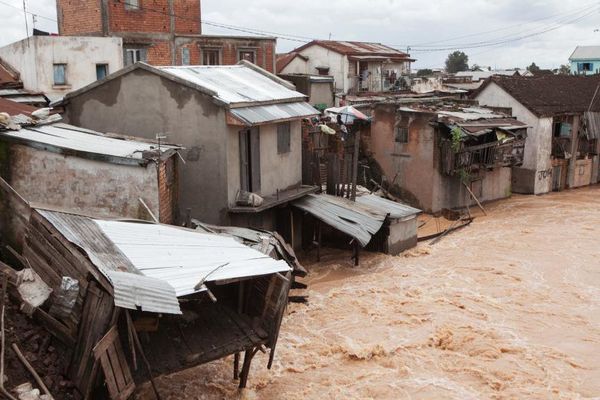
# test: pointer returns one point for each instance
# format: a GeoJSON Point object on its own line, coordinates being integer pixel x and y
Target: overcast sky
{"type": "Point", "coordinates": [440, 25]}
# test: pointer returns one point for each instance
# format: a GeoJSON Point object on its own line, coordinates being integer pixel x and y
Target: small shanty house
{"type": "Point", "coordinates": [318, 88]}
{"type": "Point", "coordinates": [196, 297]}
{"type": "Point", "coordinates": [240, 126]}
{"type": "Point", "coordinates": [442, 154]}
{"type": "Point", "coordinates": [64, 166]}
{"type": "Point", "coordinates": [355, 66]}
{"type": "Point", "coordinates": [563, 115]}
{"type": "Point", "coordinates": [369, 222]}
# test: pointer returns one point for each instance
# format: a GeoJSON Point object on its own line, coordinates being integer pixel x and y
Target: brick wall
{"type": "Point", "coordinates": [191, 10]}
{"type": "Point", "coordinates": [168, 176]}
{"type": "Point", "coordinates": [159, 53]}
{"type": "Point", "coordinates": [151, 17]}
{"type": "Point", "coordinates": [79, 17]}
{"type": "Point", "coordinates": [264, 50]}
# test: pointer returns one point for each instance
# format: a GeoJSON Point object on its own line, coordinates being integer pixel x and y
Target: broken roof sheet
{"type": "Point", "coordinates": [85, 141]}
{"type": "Point", "coordinates": [235, 83]}
{"type": "Point", "coordinates": [274, 112]}
{"type": "Point", "coordinates": [354, 219]}
{"type": "Point", "coordinates": [12, 107]}
{"type": "Point", "coordinates": [395, 210]}
{"type": "Point", "coordinates": [150, 265]}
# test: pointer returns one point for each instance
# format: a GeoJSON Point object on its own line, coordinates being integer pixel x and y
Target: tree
{"type": "Point", "coordinates": [533, 68]}
{"type": "Point", "coordinates": [424, 72]}
{"type": "Point", "coordinates": [564, 69]}
{"type": "Point", "coordinates": [456, 62]}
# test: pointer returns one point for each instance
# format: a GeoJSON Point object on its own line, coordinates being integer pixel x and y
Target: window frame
{"type": "Point", "coordinates": [211, 50]}
{"type": "Point", "coordinates": [249, 51]}
{"type": "Point", "coordinates": [105, 65]}
{"type": "Point", "coordinates": [401, 134]}
{"type": "Point", "coordinates": [284, 138]}
{"type": "Point", "coordinates": [141, 56]}
{"type": "Point", "coordinates": [64, 74]}
{"type": "Point", "coordinates": [132, 5]}
{"type": "Point", "coordinates": [185, 54]}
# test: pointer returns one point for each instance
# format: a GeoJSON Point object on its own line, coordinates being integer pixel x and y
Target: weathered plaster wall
{"type": "Point", "coordinates": [34, 58]}
{"type": "Point", "coordinates": [321, 57]}
{"type": "Point", "coordinates": [403, 236]}
{"type": "Point", "coordinates": [411, 163]}
{"type": "Point", "coordinates": [83, 185]}
{"type": "Point", "coordinates": [321, 93]}
{"type": "Point", "coordinates": [278, 171]}
{"type": "Point", "coordinates": [143, 104]}
{"type": "Point", "coordinates": [538, 147]}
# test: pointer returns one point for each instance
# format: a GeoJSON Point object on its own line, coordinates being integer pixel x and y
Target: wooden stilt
{"type": "Point", "coordinates": [319, 241]}
{"type": "Point", "coordinates": [236, 366]}
{"type": "Point", "coordinates": [248, 355]}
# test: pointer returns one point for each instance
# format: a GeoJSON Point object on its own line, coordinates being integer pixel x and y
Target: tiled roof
{"type": "Point", "coordinates": [357, 48]}
{"type": "Point", "coordinates": [547, 95]}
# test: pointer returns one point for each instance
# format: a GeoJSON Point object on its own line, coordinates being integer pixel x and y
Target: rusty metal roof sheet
{"type": "Point", "coordinates": [393, 209]}
{"type": "Point", "coordinates": [354, 219]}
{"type": "Point", "coordinates": [84, 141]}
{"type": "Point", "coordinates": [235, 83]}
{"type": "Point", "coordinates": [274, 112]}
{"type": "Point", "coordinates": [15, 108]}
{"type": "Point", "coordinates": [151, 265]}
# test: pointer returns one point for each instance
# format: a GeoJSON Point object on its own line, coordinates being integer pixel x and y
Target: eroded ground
{"type": "Point", "coordinates": [508, 307]}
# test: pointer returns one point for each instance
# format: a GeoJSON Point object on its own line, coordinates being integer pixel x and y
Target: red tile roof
{"type": "Point", "coordinates": [14, 108]}
{"type": "Point", "coordinates": [548, 95]}
{"type": "Point", "coordinates": [358, 48]}
{"type": "Point", "coordinates": [284, 59]}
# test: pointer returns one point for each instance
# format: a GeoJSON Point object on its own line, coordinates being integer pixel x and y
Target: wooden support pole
{"type": "Point", "coordinates": [236, 366]}
{"type": "Point", "coordinates": [31, 370]}
{"type": "Point", "coordinates": [475, 198]}
{"type": "Point", "coordinates": [4, 392]}
{"type": "Point", "coordinates": [319, 240]}
{"type": "Point", "coordinates": [136, 339]}
{"type": "Point", "coordinates": [248, 355]}
{"type": "Point", "coordinates": [355, 162]}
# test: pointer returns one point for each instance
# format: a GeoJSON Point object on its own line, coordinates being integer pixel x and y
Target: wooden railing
{"type": "Point", "coordinates": [488, 155]}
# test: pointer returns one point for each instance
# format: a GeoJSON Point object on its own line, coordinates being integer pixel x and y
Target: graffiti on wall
{"type": "Point", "coordinates": [545, 174]}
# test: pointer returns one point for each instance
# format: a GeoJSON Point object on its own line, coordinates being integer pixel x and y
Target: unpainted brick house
{"type": "Point", "coordinates": [162, 32]}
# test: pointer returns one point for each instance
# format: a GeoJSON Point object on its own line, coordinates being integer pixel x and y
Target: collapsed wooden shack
{"type": "Point", "coordinates": [193, 297]}
{"type": "Point", "coordinates": [371, 221]}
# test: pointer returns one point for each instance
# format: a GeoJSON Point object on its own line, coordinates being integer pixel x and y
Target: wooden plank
{"type": "Point", "coordinates": [109, 378]}
{"type": "Point", "coordinates": [104, 343]}
{"type": "Point", "coordinates": [116, 366]}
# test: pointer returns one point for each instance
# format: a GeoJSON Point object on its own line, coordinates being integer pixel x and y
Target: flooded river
{"type": "Point", "coordinates": [508, 307]}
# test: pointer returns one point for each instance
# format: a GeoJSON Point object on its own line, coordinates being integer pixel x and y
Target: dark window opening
{"type": "Point", "coordinates": [584, 67]}
{"type": "Point", "coordinates": [134, 55]}
{"type": "Point", "coordinates": [283, 138]}
{"type": "Point", "coordinates": [402, 134]}
{"type": "Point", "coordinates": [211, 57]}
{"type": "Point", "coordinates": [101, 71]}
{"type": "Point", "coordinates": [250, 160]}
{"type": "Point", "coordinates": [248, 55]}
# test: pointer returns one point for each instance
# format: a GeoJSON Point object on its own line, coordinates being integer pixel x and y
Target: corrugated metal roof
{"type": "Point", "coordinates": [394, 209]}
{"type": "Point", "coordinates": [235, 83]}
{"type": "Point", "coordinates": [71, 137]}
{"type": "Point", "coordinates": [354, 219]}
{"type": "Point", "coordinates": [150, 265]}
{"type": "Point", "coordinates": [12, 107]}
{"type": "Point", "coordinates": [274, 112]}
{"type": "Point", "coordinates": [481, 75]}
{"type": "Point", "coordinates": [586, 53]}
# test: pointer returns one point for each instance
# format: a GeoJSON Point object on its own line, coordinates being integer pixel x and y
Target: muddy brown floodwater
{"type": "Point", "coordinates": [508, 307]}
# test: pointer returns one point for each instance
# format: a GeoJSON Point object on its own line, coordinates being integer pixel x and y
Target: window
{"type": "Point", "coordinates": [283, 138]}
{"type": "Point", "coordinates": [211, 57]}
{"type": "Point", "coordinates": [134, 55]}
{"type": "Point", "coordinates": [101, 71]}
{"type": "Point", "coordinates": [132, 4]}
{"type": "Point", "coordinates": [584, 67]}
{"type": "Point", "coordinates": [250, 160]}
{"type": "Point", "coordinates": [185, 56]}
{"type": "Point", "coordinates": [60, 74]}
{"type": "Point", "coordinates": [401, 134]}
{"type": "Point", "coordinates": [248, 55]}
